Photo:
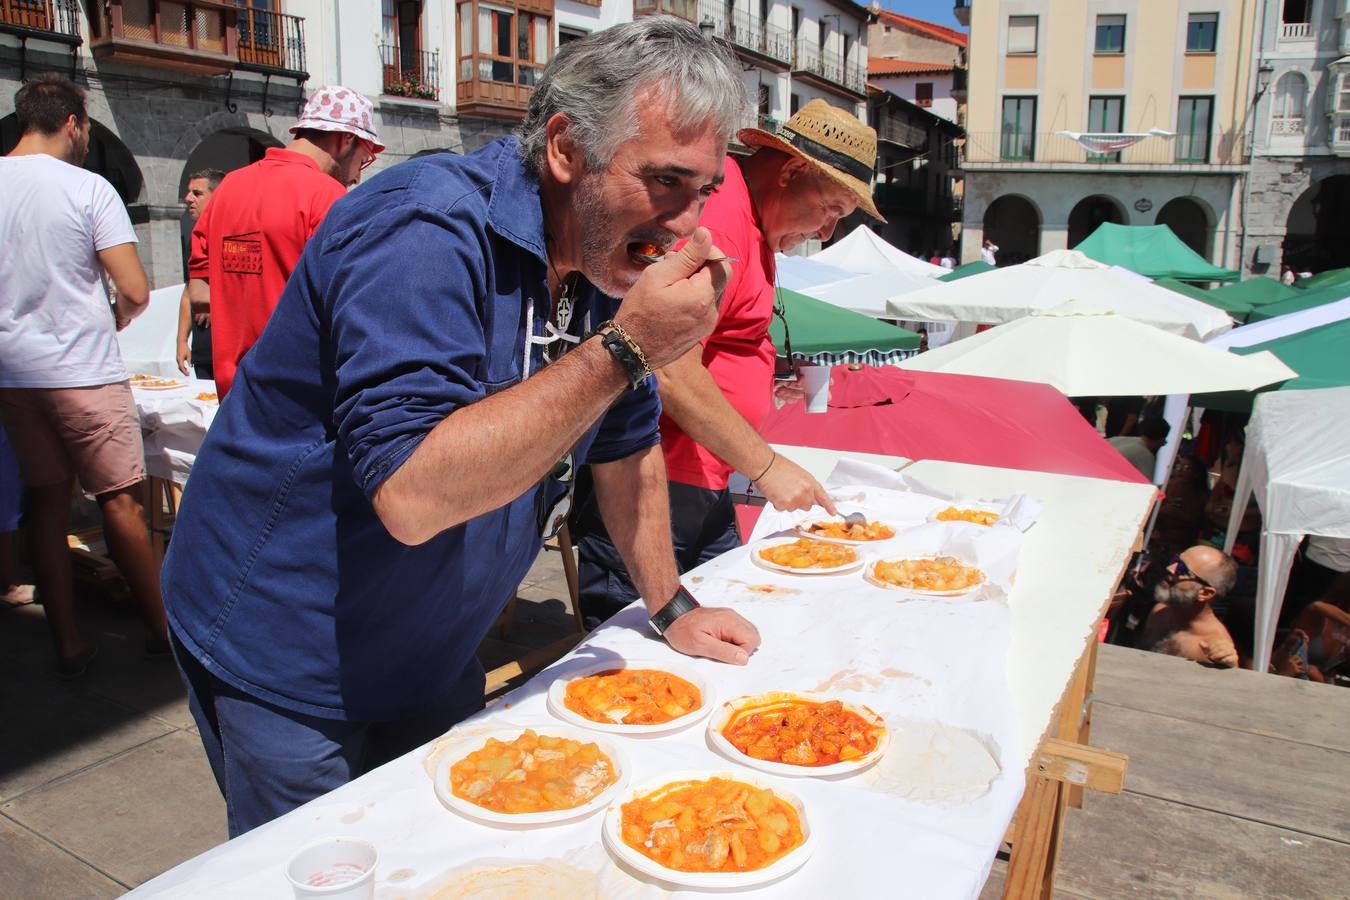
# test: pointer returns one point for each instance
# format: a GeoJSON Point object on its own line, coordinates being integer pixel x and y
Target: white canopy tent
{"type": "Point", "coordinates": [1174, 408]}
{"type": "Point", "coordinates": [868, 294]}
{"type": "Point", "coordinates": [863, 252]}
{"type": "Point", "coordinates": [798, 273]}
{"type": "Point", "coordinates": [1052, 280]}
{"type": "Point", "coordinates": [1100, 354]}
{"type": "Point", "coordinates": [1297, 462]}
{"type": "Point", "coordinates": [150, 343]}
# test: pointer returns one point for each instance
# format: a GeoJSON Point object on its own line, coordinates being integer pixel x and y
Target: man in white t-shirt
{"type": "Point", "coordinates": [65, 399]}
{"type": "Point", "coordinates": [989, 252]}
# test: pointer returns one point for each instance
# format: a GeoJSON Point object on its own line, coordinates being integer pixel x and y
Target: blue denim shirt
{"type": "Point", "coordinates": [410, 301]}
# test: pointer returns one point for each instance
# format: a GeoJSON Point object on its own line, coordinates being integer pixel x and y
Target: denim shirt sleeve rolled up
{"type": "Point", "coordinates": [412, 300]}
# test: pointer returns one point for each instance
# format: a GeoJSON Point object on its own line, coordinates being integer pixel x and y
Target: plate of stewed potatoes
{"type": "Point", "coordinates": [805, 556]}
{"type": "Point", "coordinates": [631, 697]}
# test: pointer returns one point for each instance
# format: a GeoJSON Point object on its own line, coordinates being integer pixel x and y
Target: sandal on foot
{"type": "Point", "coordinates": [19, 595]}
{"type": "Point", "coordinates": [76, 666]}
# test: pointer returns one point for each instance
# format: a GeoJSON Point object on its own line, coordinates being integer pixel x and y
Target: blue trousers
{"type": "Point", "coordinates": [268, 760]}
{"type": "Point", "coordinates": [702, 527]}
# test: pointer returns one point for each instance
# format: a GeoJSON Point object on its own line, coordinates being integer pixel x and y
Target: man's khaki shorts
{"type": "Point", "coordinates": [90, 433]}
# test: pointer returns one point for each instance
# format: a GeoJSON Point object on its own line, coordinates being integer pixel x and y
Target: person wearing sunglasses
{"type": "Point", "coordinates": [1183, 622]}
{"type": "Point", "coordinates": [799, 184]}
{"type": "Point", "coordinates": [249, 237]}
{"type": "Point", "coordinates": [406, 429]}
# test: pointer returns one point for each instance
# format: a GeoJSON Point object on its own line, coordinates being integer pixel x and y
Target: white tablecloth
{"type": "Point", "coordinates": [173, 424]}
{"type": "Point", "coordinates": [909, 660]}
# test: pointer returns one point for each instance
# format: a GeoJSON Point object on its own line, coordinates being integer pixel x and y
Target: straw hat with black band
{"type": "Point", "coordinates": [832, 140]}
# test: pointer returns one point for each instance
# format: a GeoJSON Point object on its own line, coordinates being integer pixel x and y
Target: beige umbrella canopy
{"type": "Point", "coordinates": [1051, 280]}
{"type": "Point", "coordinates": [1088, 352]}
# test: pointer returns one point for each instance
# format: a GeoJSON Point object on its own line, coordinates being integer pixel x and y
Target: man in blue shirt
{"type": "Point", "coordinates": [375, 486]}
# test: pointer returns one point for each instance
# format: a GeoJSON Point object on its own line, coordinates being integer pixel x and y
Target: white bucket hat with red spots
{"type": "Point", "coordinates": [337, 108]}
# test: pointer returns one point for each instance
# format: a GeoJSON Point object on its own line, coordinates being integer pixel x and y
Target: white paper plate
{"type": "Point", "coordinates": [729, 709]}
{"type": "Point", "coordinates": [782, 866]}
{"type": "Point", "coordinates": [558, 689]}
{"type": "Point", "coordinates": [870, 576]}
{"type": "Point", "coordinates": [455, 752]}
{"type": "Point", "coordinates": [160, 387]}
{"type": "Point", "coordinates": [788, 570]}
{"type": "Point", "coordinates": [804, 526]}
{"type": "Point", "coordinates": [981, 505]}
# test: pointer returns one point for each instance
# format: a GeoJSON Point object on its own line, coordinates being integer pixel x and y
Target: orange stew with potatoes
{"type": "Point", "coordinates": [632, 697]}
{"type": "Point", "coordinates": [717, 825]}
{"type": "Point", "coordinates": [802, 733]}
{"type": "Point", "coordinates": [533, 773]}
{"type": "Point", "coordinates": [808, 554]}
{"type": "Point", "coordinates": [858, 531]}
{"type": "Point", "coordinates": [977, 516]}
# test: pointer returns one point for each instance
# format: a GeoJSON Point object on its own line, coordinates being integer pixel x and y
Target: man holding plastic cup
{"type": "Point", "coordinates": [798, 184]}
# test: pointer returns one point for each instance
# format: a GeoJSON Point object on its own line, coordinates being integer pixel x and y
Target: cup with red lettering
{"type": "Point", "coordinates": [816, 383]}
{"type": "Point", "coordinates": [334, 868]}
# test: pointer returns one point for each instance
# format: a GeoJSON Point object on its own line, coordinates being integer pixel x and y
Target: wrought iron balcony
{"type": "Point", "coordinates": [1051, 150]}
{"type": "Point", "coordinates": [272, 42]}
{"type": "Point", "coordinates": [741, 30]}
{"type": "Point", "coordinates": [50, 20]}
{"type": "Point", "coordinates": [904, 134]}
{"type": "Point", "coordinates": [685, 9]}
{"type": "Point", "coordinates": [829, 66]}
{"type": "Point", "coordinates": [196, 36]}
{"type": "Point", "coordinates": [413, 74]}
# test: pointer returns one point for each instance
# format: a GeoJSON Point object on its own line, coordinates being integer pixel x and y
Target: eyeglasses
{"type": "Point", "coordinates": [1177, 570]}
{"type": "Point", "coordinates": [371, 153]}
{"type": "Point", "coordinates": [552, 518]}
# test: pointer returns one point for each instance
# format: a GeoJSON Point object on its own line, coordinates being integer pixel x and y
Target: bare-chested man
{"type": "Point", "coordinates": [1183, 622]}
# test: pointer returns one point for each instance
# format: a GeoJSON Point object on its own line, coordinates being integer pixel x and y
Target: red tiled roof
{"type": "Point", "coordinates": [880, 66]}
{"type": "Point", "coordinates": [931, 29]}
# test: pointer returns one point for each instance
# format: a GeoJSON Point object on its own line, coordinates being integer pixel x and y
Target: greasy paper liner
{"type": "Point", "coordinates": [558, 689]}
{"type": "Point", "coordinates": [729, 709]}
{"type": "Point", "coordinates": [785, 865]}
{"type": "Point", "coordinates": [788, 570]}
{"type": "Point", "coordinates": [455, 752]}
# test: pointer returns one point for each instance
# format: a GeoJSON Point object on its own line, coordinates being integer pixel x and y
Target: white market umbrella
{"type": "Point", "coordinates": [1052, 280]}
{"type": "Point", "coordinates": [1087, 352]}
{"type": "Point", "coordinates": [861, 251]}
{"type": "Point", "coordinates": [868, 294]}
{"type": "Point", "coordinates": [797, 273]}
{"type": "Point", "coordinates": [1297, 462]}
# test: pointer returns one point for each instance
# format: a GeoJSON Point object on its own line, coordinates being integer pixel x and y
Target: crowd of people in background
{"type": "Point", "coordinates": [1183, 595]}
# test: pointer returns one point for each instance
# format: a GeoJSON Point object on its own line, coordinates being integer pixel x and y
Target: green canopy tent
{"type": "Point", "coordinates": [1324, 279]}
{"type": "Point", "coordinates": [1301, 300]}
{"type": "Point", "coordinates": [978, 267]}
{"type": "Point", "coordinates": [823, 334]}
{"type": "Point", "coordinates": [1152, 250]}
{"type": "Point", "coordinates": [1317, 355]}
{"type": "Point", "coordinates": [1241, 298]}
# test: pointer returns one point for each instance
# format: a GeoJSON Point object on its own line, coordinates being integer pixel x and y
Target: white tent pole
{"type": "Point", "coordinates": [1174, 411]}
{"type": "Point", "coordinates": [1277, 556]}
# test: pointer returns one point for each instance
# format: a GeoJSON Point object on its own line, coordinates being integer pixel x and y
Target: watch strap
{"type": "Point", "coordinates": [681, 603]}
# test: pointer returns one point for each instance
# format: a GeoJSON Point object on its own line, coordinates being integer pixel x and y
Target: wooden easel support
{"type": "Point", "coordinates": [1081, 766]}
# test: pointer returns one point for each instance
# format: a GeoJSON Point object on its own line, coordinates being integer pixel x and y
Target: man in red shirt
{"type": "Point", "coordinates": [799, 184]}
{"type": "Point", "coordinates": [250, 237]}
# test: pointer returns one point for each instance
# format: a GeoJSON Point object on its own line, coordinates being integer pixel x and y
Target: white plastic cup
{"type": "Point", "coordinates": [334, 868]}
{"type": "Point", "coordinates": [816, 383]}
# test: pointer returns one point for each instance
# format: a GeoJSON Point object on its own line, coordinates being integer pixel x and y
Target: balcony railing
{"type": "Point", "coordinates": [413, 74]}
{"type": "Point", "coordinates": [905, 134]}
{"type": "Point", "coordinates": [1049, 150]}
{"type": "Point", "coordinates": [1296, 31]}
{"type": "Point", "coordinates": [197, 36]}
{"type": "Point", "coordinates": [52, 20]}
{"type": "Point", "coordinates": [827, 64]}
{"type": "Point", "coordinates": [685, 9]}
{"type": "Point", "coordinates": [271, 42]}
{"type": "Point", "coordinates": [738, 28]}
{"type": "Point", "coordinates": [1286, 127]}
